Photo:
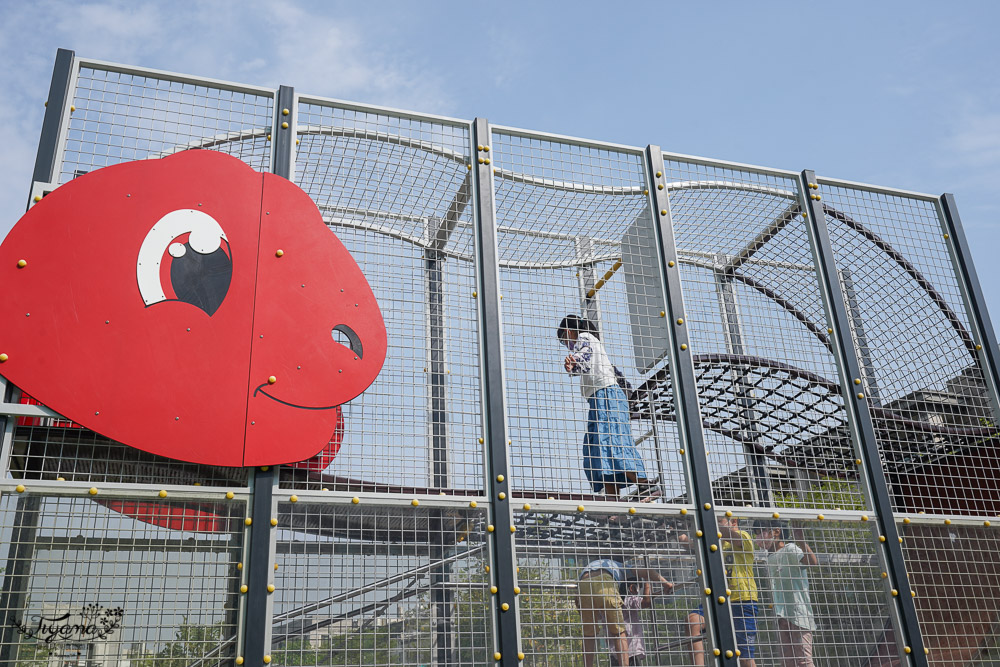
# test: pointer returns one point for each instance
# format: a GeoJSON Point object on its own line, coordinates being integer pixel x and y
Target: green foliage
{"type": "Point", "coordinates": [190, 643]}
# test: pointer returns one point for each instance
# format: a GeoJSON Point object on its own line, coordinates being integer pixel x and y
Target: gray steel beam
{"type": "Point", "coordinates": [17, 574]}
{"type": "Point", "coordinates": [860, 337]}
{"type": "Point", "coordinates": [59, 96]}
{"type": "Point", "coordinates": [718, 617]}
{"type": "Point", "coordinates": [988, 355]}
{"type": "Point", "coordinates": [857, 405]}
{"type": "Point", "coordinates": [497, 478]}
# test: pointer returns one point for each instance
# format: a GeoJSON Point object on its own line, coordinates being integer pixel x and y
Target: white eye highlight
{"type": "Point", "coordinates": [205, 236]}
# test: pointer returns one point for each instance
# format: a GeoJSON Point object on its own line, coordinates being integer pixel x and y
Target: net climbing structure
{"type": "Point", "coordinates": [800, 352]}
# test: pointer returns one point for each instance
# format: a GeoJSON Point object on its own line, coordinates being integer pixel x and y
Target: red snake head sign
{"type": "Point", "coordinates": [190, 307]}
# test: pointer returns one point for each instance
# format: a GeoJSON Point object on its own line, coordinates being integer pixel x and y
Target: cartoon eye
{"type": "Point", "coordinates": [185, 257]}
{"type": "Point", "coordinates": [346, 336]}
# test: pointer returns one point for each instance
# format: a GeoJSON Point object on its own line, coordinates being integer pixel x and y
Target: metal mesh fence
{"type": "Point", "coordinates": [396, 190]}
{"type": "Point", "coordinates": [935, 425]}
{"type": "Point", "coordinates": [401, 574]}
{"type": "Point", "coordinates": [368, 585]}
{"type": "Point", "coordinates": [767, 381]}
{"type": "Point", "coordinates": [575, 238]}
{"type": "Point", "coordinates": [119, 580]}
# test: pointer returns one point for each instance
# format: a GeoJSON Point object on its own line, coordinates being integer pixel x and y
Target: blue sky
{"type": "Point", "coordinates": [896, 93]}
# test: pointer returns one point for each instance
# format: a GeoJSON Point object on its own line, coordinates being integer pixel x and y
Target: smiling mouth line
{"type": "Point", "coordinates": [260, 389]}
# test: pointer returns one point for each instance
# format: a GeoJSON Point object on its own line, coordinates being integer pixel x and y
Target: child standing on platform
{"type": "Point", "coordinates": [610, 457]}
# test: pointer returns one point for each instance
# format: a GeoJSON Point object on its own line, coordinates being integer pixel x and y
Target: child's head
{"type": "Point", "coordinates": [572, 326]}
{"type": "Point", "coordinates": [769, 535]}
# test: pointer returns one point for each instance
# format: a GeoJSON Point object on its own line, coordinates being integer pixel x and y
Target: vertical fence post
{"type": "Point", "coordinates": [862, 428]}
{"type": "Point", "coordinates": [55, 108]}
{"type": "Point", "coordinates": [263, 537]}
{"type": "Point", "coordinates": [718, 617]}
{"type": "Point", "coordinates": [975, 302]}
{"type": "Point", "coordinates": [506, 640]}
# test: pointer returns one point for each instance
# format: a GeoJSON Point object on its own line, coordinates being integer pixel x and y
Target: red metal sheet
{"type": "Point", "coordinates": [134, 311]}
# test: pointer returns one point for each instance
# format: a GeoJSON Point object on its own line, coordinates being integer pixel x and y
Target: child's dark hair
{"type": "Point", "coordinates": [578, 324]}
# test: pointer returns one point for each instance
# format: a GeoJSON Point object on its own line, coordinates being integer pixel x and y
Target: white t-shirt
{"type": "Point", "coordinates": [592, 364]}
{"type": "Point", "coordinates": [790, 586]}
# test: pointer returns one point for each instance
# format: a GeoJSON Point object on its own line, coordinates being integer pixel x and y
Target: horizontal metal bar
{"type": "Point", "coordinates": [565, 139]}
{"type": "Point", "coordinates": [726, 164]}
{"type": "Point", "coordinates": [388, 111]}
{"type": "Point", "coordinates": [188, 545]}
{"type": "Point", "coordinates": [371, 499]}
{"type": "Point", "coordinates": [384, 137]}
{"type": "Point", "coordinates": [122, 490]}
{"type": "Point", "coordinates": [22, 410]}
{"type": "Point", "coordinates": [875, 189]}
{"type": "Point", "coordinates": [174, 76]}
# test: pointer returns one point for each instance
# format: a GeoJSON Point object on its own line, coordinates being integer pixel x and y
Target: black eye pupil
{"type": "Point", "coordinates": [202, 280]}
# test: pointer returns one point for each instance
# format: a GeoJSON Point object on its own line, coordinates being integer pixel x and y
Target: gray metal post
{"type": "Point", "coordinates": [986, 343]}
{"type": "Point", "coordinates": [21, 550]}
{"type": "Point", "coordinates": [860, 337]}
{"type": "Point", "coordinates": [759, 480]}
{"type": "Point", "coordinates": [856, 405]}
{"type": "Point", "coordinates": [263, 537]}
{"type": "Point", "coordinates": [507, 639]}
{"type": "Point", "coordinates": [718, 617]}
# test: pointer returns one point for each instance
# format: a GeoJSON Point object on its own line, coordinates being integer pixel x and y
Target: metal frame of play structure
{"type": "Point", "coordinates": [801, 349]}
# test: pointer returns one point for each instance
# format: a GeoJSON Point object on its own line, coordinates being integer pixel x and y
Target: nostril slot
{"type": "Point", "coordinates": [346, 336]}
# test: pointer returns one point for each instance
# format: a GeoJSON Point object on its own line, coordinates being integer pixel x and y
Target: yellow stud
{"type": "Point", "coordinates": [716, 652]}
{"type": "Point", "coordinates": [480, 441]}
{"type": "Point", "coordinates": [684, 510]}
{"type": "Point", "coordinates": [729, 513]}
{"type": "Point", "coordinates": [293, 498]}
{"type": "Point", "coordinates": [21, 263]}
{"type": "Point", "coordinates": [881, 538]}
{"type": "Point", "coordinates": [707, 506]}
{"type": "Point", "coordinates": [517, 590]}
{"type": "Point", "coordinates": [72, 108]}
{"type": "Point", "coordinates": [698, 533]}
{"type": "Point", "coordinates": [631, 510]}
{"type": "Point", "coordinates": [239, 566]}
{"type": "Point", "coordinates": [684, 346]}
{"type": "Point", "coordinates": [275, 567]}
{"type": "Point", "coordinates": [284, 126]}
{"type": "Point", "coordinates": [493, 589]}
{"type": "Point", "coordinates": [499, 478]}
{"type": "Point", "coordinates": [857, 380]}
{"type": "Point", "coordinates": [264, 468]}
{"type": "Point", "coordinates": [19, 488]}
{"type": "Point", "coordinates": [486, 161]}
{"type": "Point", "coordinates": [927, 651]}
{"type": "Point", "coordinates": [979, 347]}
{"type": "Point", "coordinates": [906, 521]}
{"type": "Point", "coordinates": [279, 252]}
{"type": "Point", "coordinates": [355, 500]}
{"type": "Point", "coordinates": [474, 294]}
{"type": "Point", "coordinates": [271, 379]}
{"type": "Point", "coordinates": [776, 515]}
{"type": "Point", "coordinates": [230, 495]}
{"type": "Point", "coordinates": [505, 606]}
{"type": "Point", "coordinates": [93, 490]}
{"type": "Point", "coordinates": [681, 452]}
{"type": "Point", "coordinates": [267, 659]}
{"type": "Point", "coordinates": [857, 462]}
{"type": "Point", "coordinates": [713, 547]}
{"type": "Point", "coordinates": [663, 211]}
{"type": "Point", "coordinates": [660, 186]}
{"type": "Point", "coordinates": [947, 522]}
{"type": "Point", "coordinates": [864, 517]}
{"type": "Point", "coordinates": [520, 656]}
{"type": "Point", "coordinates": [913, 594]}
{"type": "Point", "coordinates": [244, 588]}
{"type": "Point", "coordinates": [239, 660]}
{"type": "Point", "coordinates": [659, 174]}
{"type": "Point", "coordinates": [38, 198]}
{"type": "Point", "coordinates": [645, 191]}
{"type": "Point", "coordinates": [274, 522]}
{"type": "Point", "coordinates": [501, 495]}
{"type": "Point", "coordinates": [482, 161]}
{"type": "Point", "coordinates": [284, 112]}
{"type": "Point", "coordinates": [247, 521]}
{"type": "Point", "coordinates": [490, 528]}
{"type": "Point", "coordinates": [708, 591]}
{"type": "Point", "coordinates": [820, 517]}
{"type": "Point", "coordinates": [473, 504]}
{"type": "Point", "coordinates": [986, 523]}
{"type": "Point", "coordinates": [497, 655]}
{"type": "Point", "coordinates": [527, 507]}
{"type": "Point", "coordinates": [729, 654]}
{"type": "Point", "coordinates": [479, 147]}
{"type": "Point", "coordinates": [663, 313]}
{"type": "Point", "coordinates": [487, 568]}
{"type": "Point", "coordinates": [579, 508]}
{"type": "Point", "coordinates": [907, 649]}
{"type": "Point", "coordinates": [60, 479]}
{"type": "Point", "coordinates": [900, 539]}
{"type": "Point", "coordinates": [860, 395]}
{"type": "Point", "coordinates": [829, 330]}
{"type": "Point", "coordinates": [486, 149]}
{"type": "Point", "coordinates": [722, 599]}
{"type": "Point", "coordinates": [270, 588]}
{"type": "Point", "coordinates": [885, 575]}
{"type": "Point", "coordinates": [670, 264]}
{"type": "Point", "coordinates": [728, 592]}
{"type": "Point", "coordinates": [894, 592]}
{"type": "Point", "coordinates": [414, 502]}
{"type": "Point", "coordinates": [719, 535]}
{"type": "Point", "coordinates": [269, 137]}
{"type": "Point", "coordinates": [680, 320]}
{"type": "Point", "coordinates": [162, 493]}
{"type": "Point", "coordinates": [513, 529]}
{"type": "Point", "coordinates": [738, 654]}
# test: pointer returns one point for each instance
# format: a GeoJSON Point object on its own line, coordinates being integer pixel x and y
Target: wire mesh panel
{"type": "Point", "coordinates": [572, 605]}
{"type": "Point", "coordinates": [935, 427]}
{"type": "Point", "coordinates": [767, 381]}
{"type": "Point", "coordinates": [119, 581]}
{"type": "Point", "coordinates": [395, 189]}
{"type": "Point", "coordinates": [812, 588]}
{"type": "Point", "coordinates": [955, 572]}
{"type": "Point", "coordinates": [119, 115]}
{"type": "Point", "coordinates": [575, 236]}
{"type": "Point", "coordinates": [360, 585]}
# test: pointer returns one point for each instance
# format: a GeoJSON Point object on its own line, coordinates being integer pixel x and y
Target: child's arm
{"type": "Point", "coordinates": [808, 557]}
{"type": "Point", "coordinates": [647, 599]}
{"type": "Point", "coordinates": [580, 358]}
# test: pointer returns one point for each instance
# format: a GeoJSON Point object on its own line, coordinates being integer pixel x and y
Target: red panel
{"type": "Point", "coordinates": [127, 319]}
{"type": "Point", "coordinates": [321, 461]}
{"type": "Point", "coordinates": [307, 284]}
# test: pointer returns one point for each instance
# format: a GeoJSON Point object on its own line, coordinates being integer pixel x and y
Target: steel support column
{"type": "Point", "coordinates": [503, 573]}
{"type": "Point", "coordinates": [975, 301]}
{"type": "Point", "coordinates": [260, 554]}
{"type": "Point", "coordinates": [862, 428]}
{"type": "Point", "coordinates": [55, 107]}
{"type": "Point", "coordinates": [718, 617]}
